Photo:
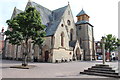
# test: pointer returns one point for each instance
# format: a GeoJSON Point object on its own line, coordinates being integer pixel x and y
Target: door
{"type": "Point", "coordinates": [46, 56]}
{"type": "Point", "coordinates": [78, 56]}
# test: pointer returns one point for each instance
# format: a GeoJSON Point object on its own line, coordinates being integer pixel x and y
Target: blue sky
{"type": "Point", "coordinates": [103, 13]}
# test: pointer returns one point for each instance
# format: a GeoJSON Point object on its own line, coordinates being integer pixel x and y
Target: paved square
{"type": "Point", "coordinates": [50, 70]}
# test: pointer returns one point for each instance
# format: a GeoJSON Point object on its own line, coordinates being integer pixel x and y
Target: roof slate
{"type": "Point", "coordinates": [50, 30]}
{"type": "Point", "coordinates": [58, 13]}
{"type": "Point", "coordinates": [49, 18]}
{"type": "Point", "coordinates": [44, 12]}
{"type": "Point", "coordinates": [18, 11]}
{"type": "Point", "coordinates": [81, 13]}
{"type": "Point", "coordinates": [82, 22]}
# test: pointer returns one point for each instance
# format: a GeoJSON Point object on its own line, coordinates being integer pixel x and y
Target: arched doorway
{"type": "Point", "coordinates": [78, 55]}
{"type": "Point", "coordinates": [46, 56]}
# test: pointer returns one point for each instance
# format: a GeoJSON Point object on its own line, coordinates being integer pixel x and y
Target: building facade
{"type": "Point", "coordinates": [85, 35]}
{"type": "Point", "coordinates": [62, 41]}
{"type": "Point", "coordinates": [1, 40]}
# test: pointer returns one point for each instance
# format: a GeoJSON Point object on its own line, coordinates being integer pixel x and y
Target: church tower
{"type": "Point", "coordinates": [85, 35]}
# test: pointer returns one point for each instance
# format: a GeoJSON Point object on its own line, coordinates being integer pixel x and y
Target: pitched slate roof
{"type": "Point", "coordinates": [18, 11]}
{"type": "Point", "coordinates": [82, 22]}
{"type": "Point", "coordinates": [15, 12]}
{"type": "Point", "coordinates": [81, 13]}
{"type": "Point", "coordinates": [50, 30]}
{"type": "Point", "coordinates": [44, 12]}
{"type": "Point", "coordinates": [58, 13]}
{"type": "Point", "coordinates": [49, 18]}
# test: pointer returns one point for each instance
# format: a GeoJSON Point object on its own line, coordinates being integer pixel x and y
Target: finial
{"type": "Point", "coordinates": [82, 7]}
{"type": "Point", "coordinates": [68, 2]}
{"type": "Point", "coordinates": [29, 0]}
{"type": "Point", "coordinates": [15, 7]}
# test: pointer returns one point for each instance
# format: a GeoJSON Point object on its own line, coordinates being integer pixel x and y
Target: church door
{"type": "Point", "coordinates": [78, 56]}
{"type": "Point", "coordinates": [46, 56]}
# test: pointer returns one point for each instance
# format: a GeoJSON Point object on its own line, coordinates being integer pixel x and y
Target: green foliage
{"type": "Point", "coordinates": [111, 42]}
{"type": "Point", "coordinates": [24, 26]}
{"type": "Point", "coordinates": [118, 42]}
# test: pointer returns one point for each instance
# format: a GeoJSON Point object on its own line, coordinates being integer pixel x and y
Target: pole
{"type": "Point", "coordinates": [103, 50]}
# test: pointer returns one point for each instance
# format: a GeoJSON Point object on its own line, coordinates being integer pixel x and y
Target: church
{"type": "Point", "coordinates": [66, 40]}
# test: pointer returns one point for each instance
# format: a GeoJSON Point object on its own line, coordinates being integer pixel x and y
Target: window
{"type": "Point", "coordinates": [62, 25]}
{"type": "Point", "coordinates": [62, 39]}
{"type": "Point", "coordinates": [68, 22]}
{"type": "Point", "coordinates": [71, 34]}
{"type": "Point", "coordinates": [79, 27]}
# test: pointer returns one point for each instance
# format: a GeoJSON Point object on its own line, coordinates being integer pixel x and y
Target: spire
{"type": "Point", "coordinates": [81, 12]}
{"type": "Point", "coordinates": [82, 17]}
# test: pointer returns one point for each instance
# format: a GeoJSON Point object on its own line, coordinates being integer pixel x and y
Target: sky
{"type": "Point", "coordinates": [103, 13]}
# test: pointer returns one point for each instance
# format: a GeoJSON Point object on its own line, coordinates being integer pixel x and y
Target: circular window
{"type": "Point", "coordinates": [68, 22]}
{"type": "Point", "coordinates": [62, 25]}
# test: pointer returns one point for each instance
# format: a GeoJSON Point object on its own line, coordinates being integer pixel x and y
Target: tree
{"type": "Point", "coordinates": [24, 27]}
{"type": "Point", "coordinates": [111, 43]}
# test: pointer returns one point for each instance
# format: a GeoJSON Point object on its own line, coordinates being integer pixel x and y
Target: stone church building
{"type": "Point", "coordinates": [65, 40]}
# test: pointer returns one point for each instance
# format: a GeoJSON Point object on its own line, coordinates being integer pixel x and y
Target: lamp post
{"type": "Point", "coordinates": [103, 48]}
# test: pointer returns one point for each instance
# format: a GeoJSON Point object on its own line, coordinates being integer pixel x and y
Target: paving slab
{"type": "Point", "coordinates": [50, 70]}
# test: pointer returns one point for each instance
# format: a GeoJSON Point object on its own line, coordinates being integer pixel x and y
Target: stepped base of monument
{"type": "Point", "coordinates": [101, 70]}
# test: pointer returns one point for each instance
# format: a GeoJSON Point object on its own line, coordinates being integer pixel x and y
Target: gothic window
{"type": "Point", "coordinates": [62, 39]}
{"type": "Point", "coordinates": [71, 34]}
{"type": "Point", "coordinates": [68, 22]}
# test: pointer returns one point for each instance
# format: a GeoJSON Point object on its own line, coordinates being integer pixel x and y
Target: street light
{"type": "Point", "coordinates": [103, 48]}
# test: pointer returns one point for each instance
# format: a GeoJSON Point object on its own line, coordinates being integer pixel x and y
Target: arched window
{"type": "Point", "coordinates": [68, 22]}
{"type": "Point", "coordinates": [62, 25]}
{"type": "Point", "coordinates": [62, 39]}
{"type": "Point", "coordinates": [71, 34]}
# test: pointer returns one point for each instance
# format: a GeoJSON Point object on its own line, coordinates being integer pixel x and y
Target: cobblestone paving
{"type": "Point", "coordinates": [50, 70]}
